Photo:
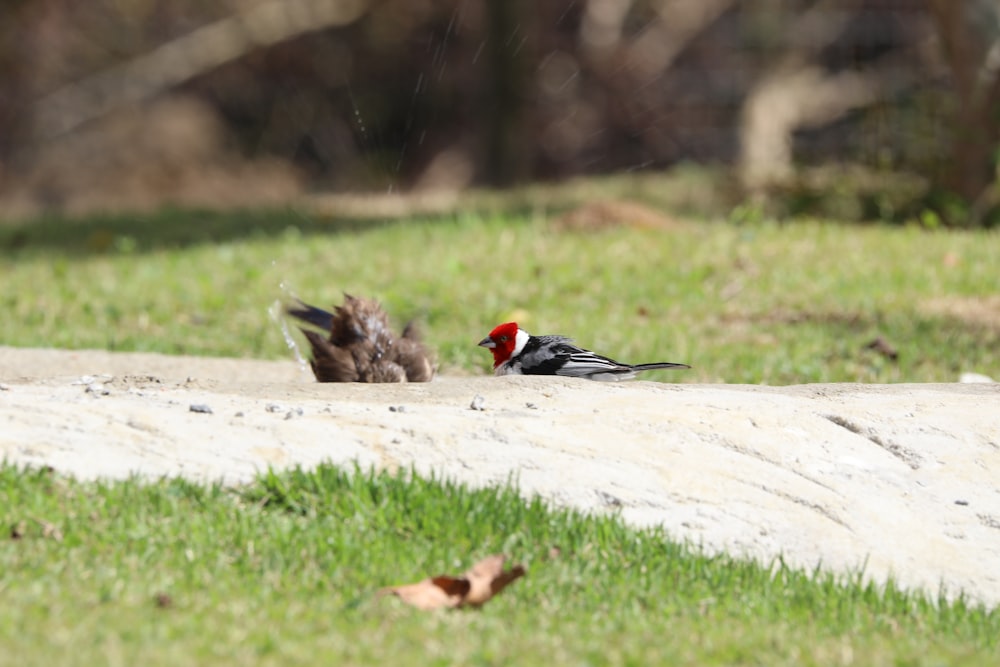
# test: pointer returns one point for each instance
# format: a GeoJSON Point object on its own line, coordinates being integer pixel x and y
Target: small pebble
{"type": "Point", "coordinates": [294, 412]}
{"type": "Point", "coordinates": [397, 408]}
{"type": "Point", "coordinates": [963, 503]}
{"type": "Point", "coordinates": [478, 403]}
{"type": "Point", "coordinates": [93, 379]}
{"type": "Point", "coordinates": [200, 407]}
{"type": "Point", "coordinates": [273, 407]}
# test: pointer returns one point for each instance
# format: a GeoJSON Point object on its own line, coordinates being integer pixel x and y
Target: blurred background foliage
{"type": "Point", "coordinates": [855, 109]}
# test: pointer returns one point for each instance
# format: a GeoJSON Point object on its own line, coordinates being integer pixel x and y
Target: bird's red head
{"type": "Point", "coordinates": [502, 342]}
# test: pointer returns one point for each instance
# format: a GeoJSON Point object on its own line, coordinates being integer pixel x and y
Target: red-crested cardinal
{"type": "Point", "coordinates": [516, 352]}
{"type": "Point", "coordinates": [361, 347]}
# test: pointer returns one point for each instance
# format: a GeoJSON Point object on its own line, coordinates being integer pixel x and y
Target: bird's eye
{"type": "Point", "coordinates": [503, 339]}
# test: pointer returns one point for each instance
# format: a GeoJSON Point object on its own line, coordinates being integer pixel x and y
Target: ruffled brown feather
{"type": "Point", "coordinates": [361, 346]}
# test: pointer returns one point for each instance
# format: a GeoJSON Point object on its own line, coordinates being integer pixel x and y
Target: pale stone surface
{"type": "Point", "coordinates": [901, 479]}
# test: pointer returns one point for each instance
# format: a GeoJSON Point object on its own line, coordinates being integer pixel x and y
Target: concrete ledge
{"type": "Point", "coordinates": [903, 480]}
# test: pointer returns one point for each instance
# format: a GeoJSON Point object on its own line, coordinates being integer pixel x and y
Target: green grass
{"type": "Point", "coordinates": [758, 302]}
{"type": "Point", "coordinates": [284, 571]}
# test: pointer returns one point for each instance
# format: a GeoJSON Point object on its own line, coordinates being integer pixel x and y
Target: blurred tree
{"type": "Point", "coordinates": [358, 94]}
{"type": "Point", "coordinates": [137, 78]}
{"type": "Point", "coordinates": [813, 81]}
{"type": "Point", "coordinates": [14, 75]}
{"type": "Point", "coordinates": [511, 41]}
{"type": "Point", "coordinates": [969, 34]}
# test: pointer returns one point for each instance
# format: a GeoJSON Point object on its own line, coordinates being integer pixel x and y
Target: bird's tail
{"type": "Point", "coordinates": [311, 314]}
{"type": "Point", "coordinates": [661, 364]}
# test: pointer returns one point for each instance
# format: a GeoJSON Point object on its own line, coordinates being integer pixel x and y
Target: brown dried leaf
{"type": "Point", "coordinates": [487, 578]}
{"type": "Point", "coordinates": [476, 587]}
{"type": "Point", "coordinates": [883, 347]}
{"type": "Point", "coordinates": [431, 593]}
{"type": "Point", "coordinates": [18, 530]}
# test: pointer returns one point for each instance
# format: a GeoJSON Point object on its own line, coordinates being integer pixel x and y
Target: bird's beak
{"type": "Point", "coordinates": [487, 342]}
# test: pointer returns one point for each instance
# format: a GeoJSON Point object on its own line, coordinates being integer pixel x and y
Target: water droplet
{"type": "Point", "coordinates": [277, 314]}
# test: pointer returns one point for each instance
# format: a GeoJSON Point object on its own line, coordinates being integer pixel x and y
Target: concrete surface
{"type": "Point", "coordinates": [903, 480]}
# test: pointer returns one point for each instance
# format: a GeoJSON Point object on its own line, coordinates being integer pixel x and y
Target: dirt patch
{"type": "Point", "coordinates": [979, 311]}
{"type": "Point", "coordinates": [600, 215]}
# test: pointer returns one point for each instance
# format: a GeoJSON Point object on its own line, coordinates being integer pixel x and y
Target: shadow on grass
{"type": "Point", "coordinates": [684, 191]}
{"type": "Point", "coordinates": [169, 229]}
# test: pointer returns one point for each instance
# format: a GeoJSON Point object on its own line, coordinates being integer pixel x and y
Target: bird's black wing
{"type": "Point", "coordinates": [587, 364]}
{"type": "Point", "coordinates": [557, 355]}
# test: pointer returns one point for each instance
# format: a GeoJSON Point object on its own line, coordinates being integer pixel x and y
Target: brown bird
{"type": "Point", "coordinates": [361, 347]}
